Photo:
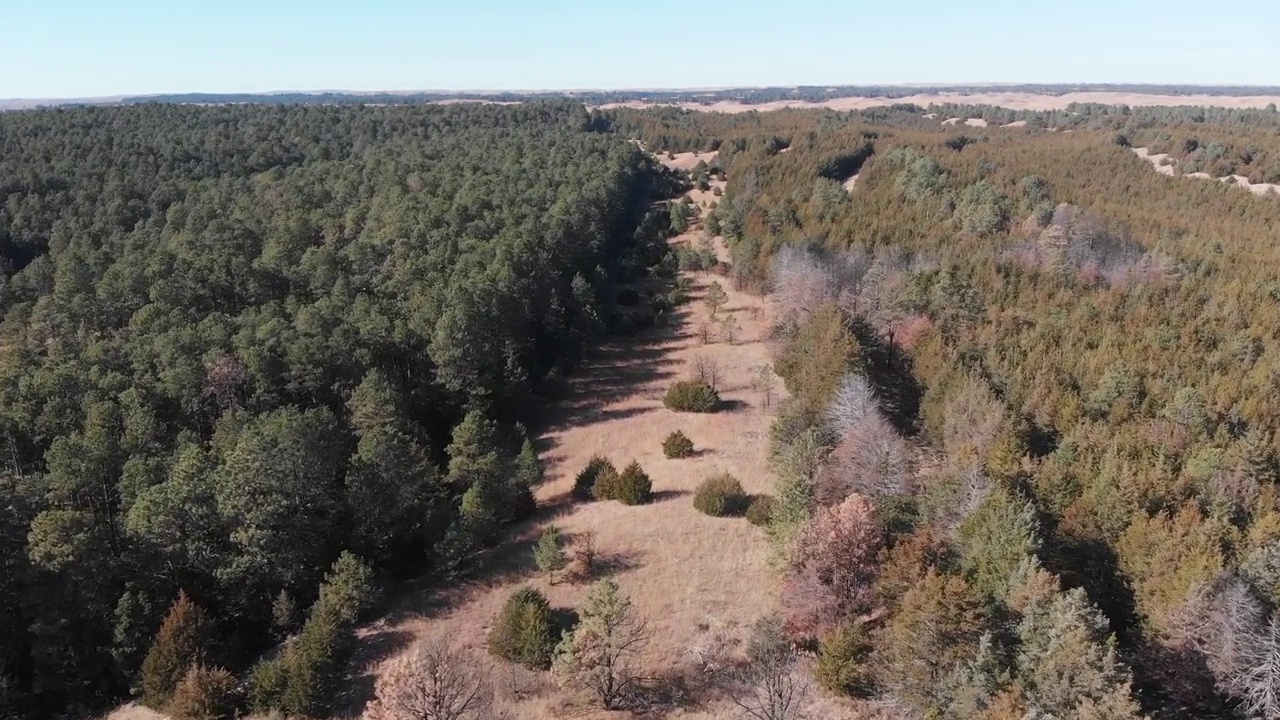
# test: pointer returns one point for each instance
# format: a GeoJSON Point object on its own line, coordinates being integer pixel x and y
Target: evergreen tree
{"type": "Point", "coordinates": [597, 657]}
{"type": "Point", "coordinates": [549, 554]}
{"type": "Point", "coordinates": [179, 646]}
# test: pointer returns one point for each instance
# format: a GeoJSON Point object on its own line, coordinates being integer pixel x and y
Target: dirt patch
{"type": "Point", "coordinates": [851, 183]}
{"type": "Point", "coordinates": [975, 122]}
{"type": "Point", "coordinates": [1015, 124]}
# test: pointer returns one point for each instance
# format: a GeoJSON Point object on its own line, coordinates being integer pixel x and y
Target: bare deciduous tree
{"type": "Point", "coordinates": [771, 688]}
{"type": "Point", "coordinates": [853, 403]}
{"type": "Point", "coordinates": [433, 681]}
{"type": "Point", "coordinates": [765, 382]}
{"type": "Point", "coordinates": [802, 283]}
{"type": "Point", "coordinates": [707, 370]}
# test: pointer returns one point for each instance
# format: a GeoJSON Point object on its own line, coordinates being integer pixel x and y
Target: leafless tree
{"type": "Point", "coordinates": [802, 283]}
{"type": "Point", "coordinates": [707, 370]}
{"type": "Point", "coordinates": [704, 333]}
{"type": "Point", "coordinates": [434, 681]}
{"type": "Point", "coordinates": [764, 382]}
{"type": "Point", "coordinates": [873, 460]}
{"type": "Point", "coordinates": [1258, 676]}
{"type": "Point", "coordinates": [853, 403]}
{"type": "Point", "coordinates": [771, 688]}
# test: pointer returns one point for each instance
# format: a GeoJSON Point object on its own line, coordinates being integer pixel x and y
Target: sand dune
{"type": "Point", "coordinates": [1156, 160]}
{"type": "Point", "coordinates": [1012, 100]}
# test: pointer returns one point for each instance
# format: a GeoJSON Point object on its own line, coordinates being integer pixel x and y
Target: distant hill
{"type": "Point", "coordinates": [746, 96]}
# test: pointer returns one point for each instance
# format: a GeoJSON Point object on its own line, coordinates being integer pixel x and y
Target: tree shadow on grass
{"type": "Point", "coordinates": [376, 645]}
{"type": "Point", "coordinates": [665, 495]}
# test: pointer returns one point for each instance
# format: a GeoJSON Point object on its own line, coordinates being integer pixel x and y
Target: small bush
{"type": "Point", "coordinates": [760, 511]}
{"type": "Point", "coordinates": [677, 445]}
{"type": "Point", "coordinates": [204, 694]}
{"type": "Point", "coordinates": [721, 496]}
{"type": "Point", "coordinates": [842, 661]}
{"type": "Point", "coordinates": [634, 485]}
{"type": "Point", "coordinates": [597, 467]}
{"type": "Point", "coordinates": [692, 396]}
{"type": "Point", "coordinates": [606, 486]}
{"type": "Point", "coordinates": [523, 632]}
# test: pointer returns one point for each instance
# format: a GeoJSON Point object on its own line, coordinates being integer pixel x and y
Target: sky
{"type": "Point", "coordinates": [92, 48]}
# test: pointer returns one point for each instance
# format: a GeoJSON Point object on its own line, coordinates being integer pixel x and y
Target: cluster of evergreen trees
{"type": "Point", "coordinates": [1084, 346]}
{"type": "Point", "coordinates": [237, 341]}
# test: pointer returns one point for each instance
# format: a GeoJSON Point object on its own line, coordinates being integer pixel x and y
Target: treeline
{"type": "Point", "coordinates": [1082, 347]}
{"type": "Point", "coordinates": [239, 342]}
{"type": "Point", "coordinates": [804, 93]}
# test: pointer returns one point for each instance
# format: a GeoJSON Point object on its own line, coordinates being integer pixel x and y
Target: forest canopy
{"type": "Point", "coordinates": [238, 341]}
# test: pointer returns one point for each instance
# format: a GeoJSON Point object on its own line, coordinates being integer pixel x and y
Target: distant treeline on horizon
{"type": "Point", "coordinates": [818, 93]}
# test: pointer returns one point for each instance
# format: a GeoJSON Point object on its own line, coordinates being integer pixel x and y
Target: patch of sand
{"type": "Point", "coordinates": [975, 122]}
{"type": "Point", "coordinates": [1157, 160]}
{"type": "Point", "coordinates": [686, 160]}
{"type": "Point", "coordinates": [1012, 100]}
{"type": "Point", "coordinates": [851, 183]}
{"type": "Point", "coordinates": [929, 116]}
{"type": "Point", "coordinates": [951, 121]}
{"type": "Point", "coordinates": [1015, 124]}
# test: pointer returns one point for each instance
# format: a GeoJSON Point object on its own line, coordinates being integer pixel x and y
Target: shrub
{"type": "Point", "coordinates": [721, 496]}
{"type": "Point", "coordinates": [549, 553]}
{"type": "Point", "coordinates": [606, 486]}
{"type": "Point", "coordinates": [523, 631]}
{"type": "Point", "coordinates": [597, 467]}
{"type": "Point", "coordinates": [634, 486]}
{"type": "Point", "coordinates": [205, 693]}
{"type": "Point", "coordinates": [677, 445]}
{"type": "Point", "coordinates": [628, 297]}
{"type": "Point", "coordinates": [265, 685]}
{"type": "Point", "coordinates": [692, 396]}
{"type": "Point", "coordinates": [760, 511]}
{"type": "Point", "coordinates": [841, 660]}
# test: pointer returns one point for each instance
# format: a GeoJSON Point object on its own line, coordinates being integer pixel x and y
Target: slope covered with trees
{"type": "Point", "coordinates": [237, 341]}
{"type": "Point", "coordinates": [1029, 461]}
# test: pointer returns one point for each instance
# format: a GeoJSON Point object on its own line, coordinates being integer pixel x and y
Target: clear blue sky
{"type": "Point", "coordinates": [81, 48]}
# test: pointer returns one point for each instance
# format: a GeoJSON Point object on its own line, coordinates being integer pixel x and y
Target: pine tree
{"type": "Point", "coordinates": [549, 553]}
{"type": "Point", "coordinates": [177, 647]}
{"type": "Point", "coordinates": [715, 298]}
{"type": "Point", "coordinates": [597, 656]}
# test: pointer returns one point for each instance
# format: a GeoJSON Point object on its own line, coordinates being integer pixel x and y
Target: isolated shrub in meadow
{"type": "Point", "coordinates": [677, 445]}
{"type": "Point", "coordinates": [692, 396]}
{"type": "Point", "coordinates": [760, 511]}
{"type": "Point", "coordinates": [633, 486]}
{"type": "Point", "coordinates": [721, 496]}
{"type": "Point", "coordinates": [523, 631]}
{"type": "Point", "coordinates": [597, 467]}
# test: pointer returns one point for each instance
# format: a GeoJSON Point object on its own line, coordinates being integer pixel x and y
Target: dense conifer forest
{"type": "Point", "coordinates": [259, 354]}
